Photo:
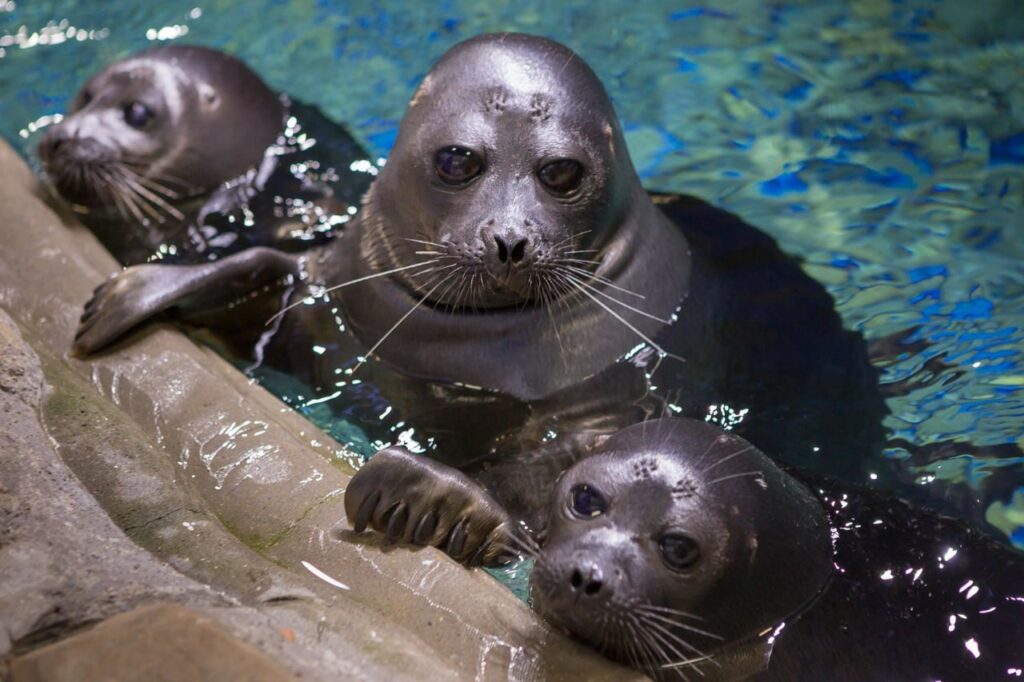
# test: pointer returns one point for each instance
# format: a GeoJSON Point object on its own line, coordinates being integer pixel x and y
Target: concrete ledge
{"type": "Point", "coordinates": [233, 493]}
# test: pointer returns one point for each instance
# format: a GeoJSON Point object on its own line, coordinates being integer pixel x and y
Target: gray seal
{"type": "Point", "coordinates": [166, 153]}
{"type": "Point", "coordinates": [682, 550]}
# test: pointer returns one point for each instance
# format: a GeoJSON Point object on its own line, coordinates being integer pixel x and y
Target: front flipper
{"type": "Point", "coordinates": [140, 292]}
{"type": "Point", "coordinates": [417, 500]}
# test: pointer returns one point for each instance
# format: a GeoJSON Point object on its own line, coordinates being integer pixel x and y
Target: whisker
{"type": "Point", "coordinates": [691, 662]}
{"type": "Point", "coordinates": [157, 187]}
{"type": "Point", "coordinates": [709, 448]}
{"type": "Point", "coordinates": [349, 283]}
{"type": "Point", "coordinates": [152, 197]}
{"type": "Point", "coordinates": [600, 293]}
{"type": "Point", "coordinates": [637, 654]}
{"type": "Point", "coordinates": [739, 475]}
{"type": "Point", "coordinates": [569, 239]}
{"type": "Point", "coordinates": [395, 326]}
{"type": "Point", "coordinates": [580, 261]}
{"type": "Point", "coordinates": [670, 621]}
{"type": "Point", "coordinates": [658, 628]}
{"type": "Point", "coordinates": [651, 649]}
{"type": "Point", "coordinates": [423, 241]}
{"type": "Point", "coordinates": [521, 546]}
{"type": "Point", "coordinates": [604, 280]}
{"type": "Point", "coordinates": [726, 459]}
{"type": "Point", "coordinates": [666, 609]}
{"type": "Point", "coordinates": [125, 198]}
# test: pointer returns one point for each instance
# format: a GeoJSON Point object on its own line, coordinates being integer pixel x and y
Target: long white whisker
{"type": "Point", "coordinates": [603, 280]}
{"type": "Point", "coordinates": [349, 283]}
{"type": "Point", "coordinates": [424, 242]}
{"type": "Point", "coordinates": [742, 473]}
{"type": "Point", "coordinates": [156, 186]}
{"type": "Point", "coordinates": [597, 291]}
{"type": "Point", "coordinates": [670, 621]}
{"type": "Point", "coordinates": [154, 198]}
{"type": "Point", "coordinates": [666, 609]}
{"type": "Point", "coordinates": [682, 642]}
{"type": "Point", "coordinates": [403, 318]}
{"type": "Point", "coordinates": [652, 650]}
{"type": "Point", "coordinates": [726, 459]}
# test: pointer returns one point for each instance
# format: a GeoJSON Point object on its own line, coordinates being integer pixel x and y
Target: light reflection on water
{"type": "Point", "coordinates": [883, 142]}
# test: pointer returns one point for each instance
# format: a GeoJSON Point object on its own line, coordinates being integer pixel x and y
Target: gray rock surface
{"type": "Point", "coordinates": [156, 643]}
{"type": "Point", "coordinates": [156, 472]}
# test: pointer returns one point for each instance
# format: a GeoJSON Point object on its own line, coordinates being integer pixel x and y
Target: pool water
{"type": "Point", "coordinates": [881, 141]}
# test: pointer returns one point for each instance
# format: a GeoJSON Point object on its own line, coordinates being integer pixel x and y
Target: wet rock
{"type": "Point", "coordinates": [157, 643]}
{"type": "Point", "coordinates": [63, 563]}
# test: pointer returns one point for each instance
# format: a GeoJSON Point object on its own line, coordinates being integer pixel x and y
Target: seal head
{"type": "Point", "coordinates": [508, 206]}
{"type": "Point", "coordinates": [677, 542]}
{"type": "Point", "coordinates": [152, 130]}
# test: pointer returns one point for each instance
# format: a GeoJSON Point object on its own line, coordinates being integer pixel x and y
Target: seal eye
{"type": "Point", "coordinates": [561, 176]}
{"type": "Point", "coordinates": [679, 551]}
{"type": "Point", "coordinates": [586, 502]}
{"type": "Point", "coordinates": [137, 114]}
{"type": "Point", "coordinates": [457, 165]}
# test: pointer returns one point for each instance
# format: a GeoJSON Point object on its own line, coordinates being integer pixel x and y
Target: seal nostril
{"type": "Point", "coordinates": [593, 587]}
{"type": "Point", "coordinates": [502, 250]}
{"type": "Point", "coordinates": [519, 251]}
{"type": "Point", "coordinates": [577, 579]}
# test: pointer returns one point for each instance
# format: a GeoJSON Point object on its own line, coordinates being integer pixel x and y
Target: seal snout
{"type": "Point", "coordinates": [510, 249]}
{"type": "Point", "coordinates": [511, 253]}
{"type": "Point", "coordinates": [58, 142]}
{"type": "Point", "coordinates": [587, 579]}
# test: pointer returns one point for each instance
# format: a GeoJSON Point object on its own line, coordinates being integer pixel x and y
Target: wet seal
{"type": "Point", "coordinates": [182, 153]}
{"type": "Point", "coordinates": [682, 550]}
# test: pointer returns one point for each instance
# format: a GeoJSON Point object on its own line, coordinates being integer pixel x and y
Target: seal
{"type": "Point", "coordinates": [163, 154]}
{"type": "Point", "coordinates": [682, 550]}
{"type": "Point", "coordinates": [509, 286]}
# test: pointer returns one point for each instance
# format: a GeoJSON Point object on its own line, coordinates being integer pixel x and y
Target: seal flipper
{"type": "Point", "coordinates": [142, 291]}
{"type": "Point", "coordinates": [420, 501]}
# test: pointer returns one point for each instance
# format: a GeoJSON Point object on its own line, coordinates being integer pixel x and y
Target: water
{"type": "Point", "coordinates": [881, 141]}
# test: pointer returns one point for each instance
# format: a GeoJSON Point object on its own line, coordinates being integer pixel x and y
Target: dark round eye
{"type": "Point", "coordinates": [457, 165]}
{"type": "Point", "coordinates": [561, 176]}
{"type": "Point", "coordinates": [679, 551]}
{"type": "Point", "coordinates": [83, 100]}
{"type": "Point", "coordinates": [586, 502]}
{"type": "Point", "coordinates": [137, 114]}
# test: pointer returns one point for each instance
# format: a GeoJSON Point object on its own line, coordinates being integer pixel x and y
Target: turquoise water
{"type": "Point", "coordinates": [882, 141]}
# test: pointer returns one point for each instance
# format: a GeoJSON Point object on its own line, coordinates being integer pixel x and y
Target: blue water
{"type": "Point", "coordinates": [881, 141]}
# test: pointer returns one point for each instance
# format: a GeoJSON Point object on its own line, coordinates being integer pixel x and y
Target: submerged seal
{"type": "Point", "coordinates": [519, 290]}
{"type": "Point", "coordinates": [169, 148]}
{"type": "Point", "coordinates": [682, 550]}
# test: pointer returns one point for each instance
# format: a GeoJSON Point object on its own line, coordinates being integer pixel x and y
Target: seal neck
{"type": "Point", "coordinates": [527, 353]}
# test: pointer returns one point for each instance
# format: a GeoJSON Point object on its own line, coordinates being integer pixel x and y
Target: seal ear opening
{"type": "Point", "coordinates": [208, 96]}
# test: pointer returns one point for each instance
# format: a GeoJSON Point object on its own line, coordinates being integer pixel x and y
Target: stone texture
{"type": "Point", "coordinates": [156, 472]}
{"type": "Point", "coordinates": [156, 643]}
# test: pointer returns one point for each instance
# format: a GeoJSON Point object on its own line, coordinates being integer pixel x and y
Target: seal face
{"type": "Point", "coordinates": [183, 154]}
{"type": "Point", "coordinates": [510, 170]}
{"type": "Point", "coordinates": [676, 540]}
{"type": "Point", "coordinates": [155, 128]}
